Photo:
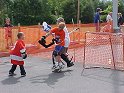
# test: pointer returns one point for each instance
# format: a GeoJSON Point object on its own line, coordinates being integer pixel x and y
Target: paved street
{"type": "Point", "coordinates": [40, 79]}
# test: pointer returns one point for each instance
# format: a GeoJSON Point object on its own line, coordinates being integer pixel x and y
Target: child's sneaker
{"type": "Point", "coordinates": [56, 66]}
{"type": "Point", "coordinates": [70, 64]}
{"type": "Point", "coordinates": [23, 75]}
{"type": "Point", "coordinates": [53, 67]}
{"type": "Point", "coordinates": [61, 65]}
{"type": "Point", "coordinates": [11, 74]}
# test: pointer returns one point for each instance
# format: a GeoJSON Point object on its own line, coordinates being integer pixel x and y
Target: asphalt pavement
{"type": "Point", "coordinates": [41, 79]}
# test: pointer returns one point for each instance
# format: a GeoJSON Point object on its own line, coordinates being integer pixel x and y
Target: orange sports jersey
{"type": "Point", "coordinates": [15, 53]}
{"type": "Point", "coordinates": [60, 34]}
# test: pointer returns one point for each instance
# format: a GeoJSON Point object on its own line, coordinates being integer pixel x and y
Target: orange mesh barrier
{"type": "Point", "coordinates": [107, 28]}
{"type": "Point", "coordinates": [101, 49]}
{"type": "Point", "coordinates": [118, 50]}
{"type": "Point", "coordinates": [104, 50]}
{"type": "Point", "coordinates": [98, 50]}
{"type": "Point", "coordinates": [2, 39]}
{"type": "Point", "coordinates": [34, 33]}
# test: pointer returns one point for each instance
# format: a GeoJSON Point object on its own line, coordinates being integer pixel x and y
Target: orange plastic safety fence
{"type": "Point", "coordinates": [104, 50]}
{"type": "Point", "coordinates": [34, 33]}
{"type": "Point", "coordinates": [91, 48]}
{"type": "Point", "coordinates": [2, 39]}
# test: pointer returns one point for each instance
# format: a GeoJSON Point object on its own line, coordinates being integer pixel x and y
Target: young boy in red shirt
{"type": "Point", "coordinates": [18, 54]}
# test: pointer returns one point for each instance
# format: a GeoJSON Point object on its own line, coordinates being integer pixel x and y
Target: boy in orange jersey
{"type": "Point", "coordinates": [60, 43]}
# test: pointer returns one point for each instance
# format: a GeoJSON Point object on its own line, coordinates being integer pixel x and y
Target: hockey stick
{"type": "Point", "coordinates": [69, 33]}
{"type": "Point", "coordinates": [73, 30]}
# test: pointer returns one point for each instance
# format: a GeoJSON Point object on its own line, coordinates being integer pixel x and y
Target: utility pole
{"type": "Point", "coordinates": [78, 12]}
{"type": "Point", "coordinates": [115, 17]}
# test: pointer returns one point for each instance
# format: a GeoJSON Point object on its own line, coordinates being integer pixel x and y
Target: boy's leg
{"type": "Point", "coordinates": [62, 51]}
{"type": "Point", "coordinates": [66, 59]}
{"type": "Point", "coordinates": [57, 54]}
{"type": "Point", "coordinates": [53, 58]}
{"type": "Point", "coordinates": [7, 44]}
{"type": "Point", "coordinates": [64, 56]}
{"type": "Point", "coordinates": [22, 70]}
{"type": "Point", "coordinates": [58, 63]}
{"type": "Point", "coordinates": [13, 68]}
{"type": "Point", "coordinates": [66, 49]}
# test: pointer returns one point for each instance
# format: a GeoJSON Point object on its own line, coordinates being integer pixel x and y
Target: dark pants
{"type": "Point", "coordinates": [13, 68]}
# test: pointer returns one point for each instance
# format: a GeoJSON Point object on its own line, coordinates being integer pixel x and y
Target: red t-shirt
{"type": "Point", "coordinates": [15, 53]}
{"type": "Point", "coordinates": [19, 45]}
{"type": "Point", "coordinates": [60, 34]}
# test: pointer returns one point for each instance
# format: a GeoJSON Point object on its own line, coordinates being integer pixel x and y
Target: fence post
{"type": "Point", "coordinates": [79, 31]}
{"type": "Point", "coordinates": [39, 26]}
{"type": "Point", "coordinates": [85, 50]}
{"type": "Point", "coordinates": [110, 38]}
{"type": "Point", "coordinates": [19, 27]}
{"type": "Point", "coordinates": [39, 34]}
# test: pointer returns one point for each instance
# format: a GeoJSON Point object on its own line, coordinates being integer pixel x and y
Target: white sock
{"type": "Point", "coordinates": [60, 64]}
{"type": "Point", "coordinates": [56, 63]}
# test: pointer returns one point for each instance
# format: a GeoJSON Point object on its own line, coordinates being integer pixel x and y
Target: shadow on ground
{"type": "Point", "coordinates": [11, 80]}
{"type": "Point", "coordinates": [50, 79]}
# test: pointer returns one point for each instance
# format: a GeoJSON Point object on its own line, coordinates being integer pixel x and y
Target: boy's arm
{"type": "Point", "coordinates": [50, 32]}
{"type": "Point", "coordinates": [43, 39]}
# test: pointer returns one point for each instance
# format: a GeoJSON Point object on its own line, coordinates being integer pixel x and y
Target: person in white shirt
{"type": "Point", "coordinates": [67, 43]}
{"type": "Point", "coordinates": [109, 17]}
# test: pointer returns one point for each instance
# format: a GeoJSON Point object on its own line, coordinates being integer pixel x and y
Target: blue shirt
{"type": "Point", "coordinates": [97, 17]}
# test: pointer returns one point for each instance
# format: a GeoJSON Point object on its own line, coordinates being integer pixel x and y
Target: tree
{"type": "Point", "coordinates": [56, 6]}
{"type": "Point", "coordinates": [26, 12]}
{"type": "Point", "coordinates": [121, 7]}
{"type": "Point", "coordinates": [31, 12]}
{"type": "Point", "coordinates": [69, 11]}
{"type": "Point", "coordinates": [4, 9]}
{"type": "Point", "coordinates": [87, 11]}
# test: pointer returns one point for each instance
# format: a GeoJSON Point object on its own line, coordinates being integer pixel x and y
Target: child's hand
{"type": "Point", "coordinates": [43, 37]}
{"type": "Point", "coordinates": [24, 56]}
